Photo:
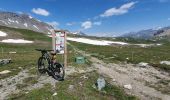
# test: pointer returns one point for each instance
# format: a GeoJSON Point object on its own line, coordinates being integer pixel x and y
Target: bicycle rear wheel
{"type": "Point", "coordinates": [43, 64]}
{"type": "Point", "coordinates": [58, 72]}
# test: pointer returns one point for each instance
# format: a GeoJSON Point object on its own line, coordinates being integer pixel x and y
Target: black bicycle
{"type": "Point", "coordinates": [47, 64]}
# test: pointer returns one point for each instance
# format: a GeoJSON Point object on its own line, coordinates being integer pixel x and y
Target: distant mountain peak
{"type": "Point", "coordinates": [78, 33]}
{"type": "Point", "coordinates": [149, 33]}
{"type": "Point", "coordinates": [23, 21]}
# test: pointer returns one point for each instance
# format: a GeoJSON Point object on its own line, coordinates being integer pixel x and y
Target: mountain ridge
{"type": "Point", "coordinates": [23, 21]}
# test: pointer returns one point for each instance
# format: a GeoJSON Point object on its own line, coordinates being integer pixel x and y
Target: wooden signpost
{"type": "Point", "coordinates": [59, 43]}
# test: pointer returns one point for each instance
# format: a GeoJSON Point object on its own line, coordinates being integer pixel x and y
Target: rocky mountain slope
{"type": "Point", "coordinates": [23, 21]}
{"type": "Point", "coordinates": [149, 33]}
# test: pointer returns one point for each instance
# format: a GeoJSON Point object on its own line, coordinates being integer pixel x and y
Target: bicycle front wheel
{"type": "Point", "coordinates": [43, 64]}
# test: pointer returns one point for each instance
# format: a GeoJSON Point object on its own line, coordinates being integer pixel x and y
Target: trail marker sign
{"type": "Point", "coordinates": [59, 43]}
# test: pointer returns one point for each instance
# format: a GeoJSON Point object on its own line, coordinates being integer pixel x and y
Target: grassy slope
{"type": "Point", "coordinates": [135, 54]}
{"type": "Point", "coordinates": [26, 58]}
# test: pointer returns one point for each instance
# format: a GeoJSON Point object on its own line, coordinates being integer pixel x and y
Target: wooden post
{"type": "Point", "coordinates": [65, 49]}
{"type": "Point", "coordinates": [53, 41]}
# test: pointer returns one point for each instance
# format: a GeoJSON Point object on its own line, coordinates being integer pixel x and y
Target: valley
{"type": "Point", "coordinates": [134, 70]}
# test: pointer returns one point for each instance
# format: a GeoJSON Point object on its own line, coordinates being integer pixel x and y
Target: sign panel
{"type": "Point", "coordinates": [59, 43]}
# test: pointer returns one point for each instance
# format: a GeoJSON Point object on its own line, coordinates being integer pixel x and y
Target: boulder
{"type": "Point", "coordinates": [165, 62]}
{"type": "Point", "coordinates": [143, 64]}
{"type": "Point", "coordinates": [100, 83]}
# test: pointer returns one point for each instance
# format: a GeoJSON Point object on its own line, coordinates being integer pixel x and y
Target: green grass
{"type": "Point", "coordinates": [26, 34]}
{"type": "Point", "coordinates": [26, 56]}
{"type": "Point", "coordinates": [152, 55]}
{"type": "Point", "coordinates": [79, 92]}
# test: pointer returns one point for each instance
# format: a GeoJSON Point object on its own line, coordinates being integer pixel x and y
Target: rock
{"type": "Point", "coordinates": [12, 52]}
{"type": "Point", "coordinates": [55, 94]}
{"type": "Point", "coordinates": [94, 86]}
{"type": "Point", "coordinates": [128, 86]}
{"type": "Point", "coordinates": [71, 87]}
{"type": "Point", "coordinates": [5, 72]}
{"type": "Point", "coordinates": [5, 61]}
{"type": "Point", "coordinates": [84, 76]}
{"type": "Point", "coordinates": [114, 80]}
{"type": "Point", "coordinates": [100, 83]}
{"type": "Point", "coordinates": [165, 62]}
{"type": "Point", "coordinates": [143, 64]}
{"type": "Point", "coordinates": [80, 83]}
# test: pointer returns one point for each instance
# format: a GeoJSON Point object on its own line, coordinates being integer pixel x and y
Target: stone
{"type": "Point", "coordinates": [12, 52]}
{"type": "Point", "coordinates": [71, 87]}
{"type": "Point", "coordinates": [80, 83]}
{"type": "Point", "coordinates": [5, 72]}
{"type": "Point", "coordinates": [128, 86]}
{"type": "Point", "coordinates": [165, 62]}
{"type": "Point", "coordinates": [84, 76]}
{"type": "Point", "coordinates": [114, 80]}
{"type": "Point", "coordinates": [143, 64]}
{"type": "Point", "coordinates": [5, 61]}
{"type": "Point", "coordinates": [101, 83]}
{"type": "Point", "coordinates": [55, 94]}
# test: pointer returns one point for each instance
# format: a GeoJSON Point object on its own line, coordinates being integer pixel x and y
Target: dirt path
{"type": "Point", "coordinates": [145, 82]}
{"type": "Point", "coordinates": [137, 77]}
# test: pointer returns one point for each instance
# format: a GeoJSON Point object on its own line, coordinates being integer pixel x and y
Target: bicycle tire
{"type": "Point", "coordinates": [41, 66]}
{"type": "Point", "coordinates": [58, 68]}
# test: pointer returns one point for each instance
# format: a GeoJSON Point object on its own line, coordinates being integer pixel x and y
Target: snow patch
{"type": "Point", "coordinates": [17, 22]}
{"type": "Point", "coordinates": [11, 20]}
{"type": "Point", "coordinates": [95, 42]}
{"type": "Point", "coordinates": [3, 34]}
{"type": "Point", "coordinates": [147, 45]}
{"type": "Point", "coordinates": [4, 22]}
{"type": "Point", "coordinates": [25, 24]}
{"type": "Point", "coordinates": [36, 27]}
{"type": "Point", "coordinates": [30, 17]}
{"type": "Point", "coordinates": [16, 41]}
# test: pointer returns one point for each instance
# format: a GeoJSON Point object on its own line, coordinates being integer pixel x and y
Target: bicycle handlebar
{"type": "Point", "coordinates": [42, 50]}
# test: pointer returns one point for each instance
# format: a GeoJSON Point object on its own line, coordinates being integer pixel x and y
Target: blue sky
{"type": "Point", "coordinates": [95, 17]}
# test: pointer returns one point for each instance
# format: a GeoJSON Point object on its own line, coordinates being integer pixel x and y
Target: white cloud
{"type": "Point", "coordinates": [97, 23]}
{"type": "Point", "coordinates": [118, 11]}
{"type": "Point", "coordinates": [40, 11]}
{"type": "Point", "coordinates": [54, 24]}
{"type": "Point", "coordinates": [86, 24]}
{"type": "Point", "coordinates": [70, 24]}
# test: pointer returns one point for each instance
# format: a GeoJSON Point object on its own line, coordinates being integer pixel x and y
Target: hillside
{"type": "Point", "coordinates": [149, 33]}
{"type": "Point", "coordinates": [23, 21]}
{"type": "Point", "coordinates": [132, 69]}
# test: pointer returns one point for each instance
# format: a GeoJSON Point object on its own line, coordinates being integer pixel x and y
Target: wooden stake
{"type": "Point", "coordinates": [65, 49]}
{"type": "Point", "coordinates": [53, 41]}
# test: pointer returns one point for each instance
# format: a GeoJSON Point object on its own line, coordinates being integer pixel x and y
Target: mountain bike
{"type": "Point", "coordinates": [47, 63]}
